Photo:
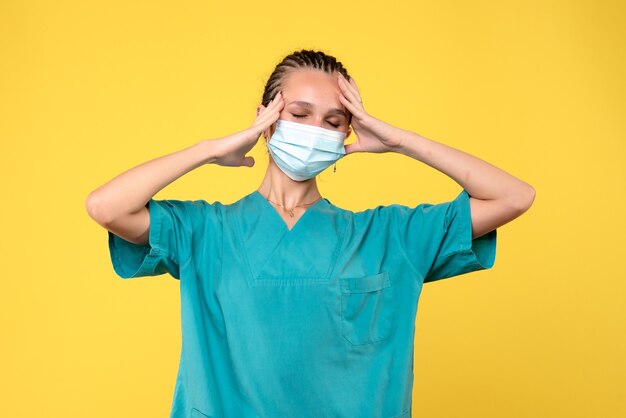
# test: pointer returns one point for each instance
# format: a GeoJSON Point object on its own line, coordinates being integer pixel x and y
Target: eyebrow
{"type": "Point", "coordinates": [307, 104]}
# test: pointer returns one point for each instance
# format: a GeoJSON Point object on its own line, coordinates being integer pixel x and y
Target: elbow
{"type": "Point", "coordinates": [525, 197]}
{"type": "Point", "coordinates": [97, 210]}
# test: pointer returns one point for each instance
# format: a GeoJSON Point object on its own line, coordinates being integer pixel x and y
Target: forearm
{"type": "Point", "coordinates": [129, 192]}
{"type": "Point", "coordinates": [481, 179]}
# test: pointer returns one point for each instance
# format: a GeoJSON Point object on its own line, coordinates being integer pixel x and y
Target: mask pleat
{"type": "Point", "coordinates": [303, 151]}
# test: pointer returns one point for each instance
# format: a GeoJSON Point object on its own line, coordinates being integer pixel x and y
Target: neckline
{"type": "Point", "coordinates": [269, 207]}
{"type": "Point", "coordinates": [273, 253]}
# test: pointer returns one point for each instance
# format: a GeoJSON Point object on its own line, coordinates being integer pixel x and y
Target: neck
{"type": "Point", "coordinates": [278, 187]}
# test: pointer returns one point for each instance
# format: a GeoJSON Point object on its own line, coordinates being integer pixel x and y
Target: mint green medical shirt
{"type": "Point", "coordinates": [314, 322]}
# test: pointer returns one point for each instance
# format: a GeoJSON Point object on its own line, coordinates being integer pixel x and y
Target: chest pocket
{"type": "Point", "coordinates": [367, 308]}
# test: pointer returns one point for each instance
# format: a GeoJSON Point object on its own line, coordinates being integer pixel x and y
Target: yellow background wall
{"type": "Point", "coordinates": [89, 89]}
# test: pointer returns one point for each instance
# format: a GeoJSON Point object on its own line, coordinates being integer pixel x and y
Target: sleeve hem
{"type": "Point", "coordinates": [150, 258]}
{"type": "Point", "coordinates": [142, 259]}
{"type": "Point", "coordinates": [481, 251]}
{"type": "Point", "coordinates": [469, 254]}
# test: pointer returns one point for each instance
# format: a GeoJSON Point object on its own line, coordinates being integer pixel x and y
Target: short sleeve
{"type": "Point", "coordinates": [174, 225]}
{"type": "Point", "coordinates": [437, 239]}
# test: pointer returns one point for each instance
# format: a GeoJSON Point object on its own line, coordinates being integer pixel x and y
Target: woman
{"type": "Point", "coordinates": [292, 306]}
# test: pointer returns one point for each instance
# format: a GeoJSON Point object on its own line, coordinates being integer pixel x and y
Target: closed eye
{"type": "Point", "coordinates": [303, 116]}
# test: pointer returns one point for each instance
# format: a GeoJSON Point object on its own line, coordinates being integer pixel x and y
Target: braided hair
{"type": "Point", "coordinates": [304, 58]}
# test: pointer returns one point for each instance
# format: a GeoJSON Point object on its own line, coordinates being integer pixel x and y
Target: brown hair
{"type": "Point", "coordinates": [304, 58]}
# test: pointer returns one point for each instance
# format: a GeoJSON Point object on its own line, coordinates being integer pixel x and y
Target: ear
{"type": "Point", "coordinates": [269, 131]}
{"type": "Point", "coordinates": [348, 132]}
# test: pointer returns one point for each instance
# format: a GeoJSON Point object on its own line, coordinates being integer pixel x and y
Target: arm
{"type": "Point", "coordinates": [120, 205]}
{"type": "Point", "coordinates": [496, 197]}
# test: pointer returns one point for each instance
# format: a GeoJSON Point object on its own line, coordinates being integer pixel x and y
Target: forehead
{"type": "Point", "coordinates": [312, 84]}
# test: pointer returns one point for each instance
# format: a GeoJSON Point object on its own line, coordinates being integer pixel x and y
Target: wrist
{"type": "Point", "coordinates": [207, 149]}
{"type": "Point", "coordinates": [410, 144]}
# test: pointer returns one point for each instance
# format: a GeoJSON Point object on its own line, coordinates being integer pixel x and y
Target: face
{"type": "Point", "coordinates": [312, 97]}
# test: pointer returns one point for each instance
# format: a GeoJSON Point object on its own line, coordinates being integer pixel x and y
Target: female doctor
{"type": "Point", "coordinates": [290, 305]}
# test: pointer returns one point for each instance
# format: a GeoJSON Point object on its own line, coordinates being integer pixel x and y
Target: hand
{"type": "Point", "coordinates": [231, 150]}
{"type": "Point", "coordinates": [373, 135]}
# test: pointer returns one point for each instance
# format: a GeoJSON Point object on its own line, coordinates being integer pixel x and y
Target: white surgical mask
{"type": "Point", "coordinates": [303, 151]}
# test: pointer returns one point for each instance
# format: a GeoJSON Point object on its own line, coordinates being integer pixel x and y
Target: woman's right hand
{"type": "Point", "coordinates": [120, 204]}
{"type": "Point", "coordinates": [231, 150]}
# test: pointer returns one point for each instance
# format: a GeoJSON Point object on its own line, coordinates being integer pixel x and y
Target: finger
{"type": "Point", "coordinates": [352, 148]}
{"type": "Point", "coordinates": [350, 93]}
{"type": "Point", "coordinates": [276, 100]}
{"type": "Point", "coordinates": [275, 106]}
{"type": "Point", "coordinates": [278, 97]}
{"type": "Point", "coordinates": [269, 105]}
{"type": "Point", "coordinates": [248, 161]}
{"type": "Point", "coordinates": [279, 103]}
{"type": "Point", "coordinates": [348, 104]}
{"type": "Point", "coordinates": [347, 93]}
{"type": "Point", "coordinates": [350, 88]}
{"type": "Point", "coordinates": [267, 119]}
{"type": "Point", "coordinates": [356, 89]}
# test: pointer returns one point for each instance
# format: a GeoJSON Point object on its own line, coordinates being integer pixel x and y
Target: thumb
{"type": "Point", "coordinates": [248, 161]}
{"type": "Point", "coordinates": [350, 148]}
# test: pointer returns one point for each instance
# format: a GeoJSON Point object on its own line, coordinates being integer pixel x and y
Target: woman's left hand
{"type": "Point", "coordinates": [373, 135]}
